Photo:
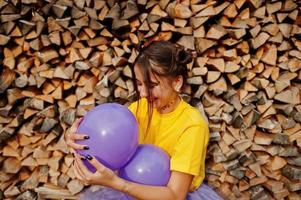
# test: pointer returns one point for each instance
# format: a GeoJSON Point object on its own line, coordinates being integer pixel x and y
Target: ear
{"type": "Point", "coordinates": [177, 83]}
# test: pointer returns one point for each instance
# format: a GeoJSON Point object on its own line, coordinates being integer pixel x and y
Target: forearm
{"type": "Point", "coordinates": [145, 192]}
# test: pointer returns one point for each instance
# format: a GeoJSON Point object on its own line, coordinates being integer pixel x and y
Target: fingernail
{"type": "Point", "coordinates": [86, 137]}
{"type": "Point", "coordinates": [89, 157]}
{"type": "Point", "coordinates": [86, 147]}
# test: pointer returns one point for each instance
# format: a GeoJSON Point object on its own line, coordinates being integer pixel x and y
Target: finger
{"type": "Point", "coordinates": [73, 127]}
{"type": "Point", "coordinates": [79, 176]}
{"type": "Point", "coordinates": [70, 140]}
{"type": "Point", "coordinates": [76, 136]}
{"type": "Point", "coordinates": [83, 177]}
{"type": "Point", "coordinates": [77, 146]}
{"type": "Point", "coordinates": [77, 172]}
{"type": "Point", "coordinates": [98, 166]}
{"type": "Point", "coordinates": [72, 151]}
{"type": "Point", "coordinates": [83, 169]}
{"type": "Point", "coordinates": [76, 123]}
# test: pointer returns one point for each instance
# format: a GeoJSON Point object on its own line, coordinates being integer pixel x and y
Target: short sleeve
{"type": "Point", "coordinates": [190, 150]}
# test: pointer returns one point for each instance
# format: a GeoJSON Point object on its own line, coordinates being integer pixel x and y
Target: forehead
{"type": "Point", "coordinates": [153, 77]}
{"type": "Point", "coordinates": [140, 74]}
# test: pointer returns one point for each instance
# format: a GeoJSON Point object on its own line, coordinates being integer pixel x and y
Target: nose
{"type": "Point", "coordinates": [143, 92]}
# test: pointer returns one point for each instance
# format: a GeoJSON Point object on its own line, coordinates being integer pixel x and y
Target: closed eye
{"type": "Point", "coordinates": [153, 84]}
{"type": "Point", "coordinates": [138, 83]}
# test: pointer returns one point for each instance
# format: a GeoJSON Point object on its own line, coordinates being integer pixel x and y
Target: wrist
{"type": "Point", "coordinates": [125, 187]}
{"type": "Point", "coordinates": [121, 185]}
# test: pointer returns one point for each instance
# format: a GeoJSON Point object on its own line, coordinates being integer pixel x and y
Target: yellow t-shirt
{"type": "Point", "coordinates": [183, 134]}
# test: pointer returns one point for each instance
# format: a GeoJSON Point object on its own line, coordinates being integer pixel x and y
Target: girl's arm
{"type": "Point", "coordinates": [176, 189]}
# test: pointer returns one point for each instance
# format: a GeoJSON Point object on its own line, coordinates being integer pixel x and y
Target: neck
{"type": "Point", "coordinates": [170, 106]}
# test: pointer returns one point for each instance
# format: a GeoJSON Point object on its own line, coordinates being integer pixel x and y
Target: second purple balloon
{"type": "Point", "coordinates": [150, 165]}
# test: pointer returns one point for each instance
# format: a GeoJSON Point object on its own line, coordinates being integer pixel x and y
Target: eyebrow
{"type": "Point", "coordinates": [152, 82]}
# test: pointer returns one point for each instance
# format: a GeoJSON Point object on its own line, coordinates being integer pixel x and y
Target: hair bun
{"type": "Point", "coordinates": [183, 56]}
{"type": "Point", "coordinates": [140, 45]}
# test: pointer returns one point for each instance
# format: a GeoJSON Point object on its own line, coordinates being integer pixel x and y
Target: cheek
{"type": "Point", "coordinates": [156, 92]}
{"type": "Point", "coordinates": [161, 95]}
{"type": "Point", "coordinates": [166, 96]}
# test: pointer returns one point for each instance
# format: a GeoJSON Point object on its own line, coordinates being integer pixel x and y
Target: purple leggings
{"type": "Point", "coordinates": [204, 192]}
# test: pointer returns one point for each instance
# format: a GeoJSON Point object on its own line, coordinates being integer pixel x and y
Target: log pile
{"type": "Point", "coordinates": [60, 58]}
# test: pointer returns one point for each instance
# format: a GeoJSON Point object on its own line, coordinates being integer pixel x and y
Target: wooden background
{"type": "Point", "coordinates": [60, 58]}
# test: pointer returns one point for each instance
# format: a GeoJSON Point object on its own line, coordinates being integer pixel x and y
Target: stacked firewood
{"type": "Point", "coordinates": [61, 58]}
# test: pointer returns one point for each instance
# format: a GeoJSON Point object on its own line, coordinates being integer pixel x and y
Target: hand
{"type": "Point", "coordinates": [71, 137]}
{"type": "Point", "coordinates": [103, 175]}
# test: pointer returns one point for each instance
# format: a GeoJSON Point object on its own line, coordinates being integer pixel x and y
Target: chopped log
{"type": "Point", "coordinates": [216, 32]}
{"type": "Point", "coordinates": [217, 64]}
{"type": "Point", "coordinates": [204, 44]}
{"type": "Point", "coordinates": [130, 10]}
{"type": "Point", "coordinates": [62, 58]}
{"type": "Point", "coordinates": [273, 7]}
{"type": "Point", "coordinates": [52, 192]}
{"type": "Point", "coordinates": [231, 11]}
{"type": "Point", "coordinates": [270, 56]}
{"type": "Point", "coordinates": [75, 186]}
{"type": "Point", "coordinates": [285, 29]}
{"type": "Point", "coordinates": [209, 11]}
{"type": "Point", "coordinates": [4, 39]}
{"type": "Point", "coordinates": [212, 76]}
{"type": "Point", "coordinates": [187, 41]}
{"type": "Point", "coordinates": [48, 55]}
{"type": "Point", "coordinates": [6, 79]}
{"type": "Point", "coordinates": [288, 96]}
{"type": "Point", "coordinates": [259, 40]}
{"type": "Point", "coordinates": [11, 165]}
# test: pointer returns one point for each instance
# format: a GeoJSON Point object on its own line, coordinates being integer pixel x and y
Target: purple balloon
{"type": "Point", "coordinates": [150, 165]}
{"type": "Point", "coordinates": [113, 132]}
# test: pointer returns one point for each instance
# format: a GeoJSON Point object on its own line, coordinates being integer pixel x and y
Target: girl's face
{"type": "Point", "coordinates": [163, 95]}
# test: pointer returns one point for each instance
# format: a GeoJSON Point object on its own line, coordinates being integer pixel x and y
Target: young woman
{"type": "Point", "coordinates": [165, 120]}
